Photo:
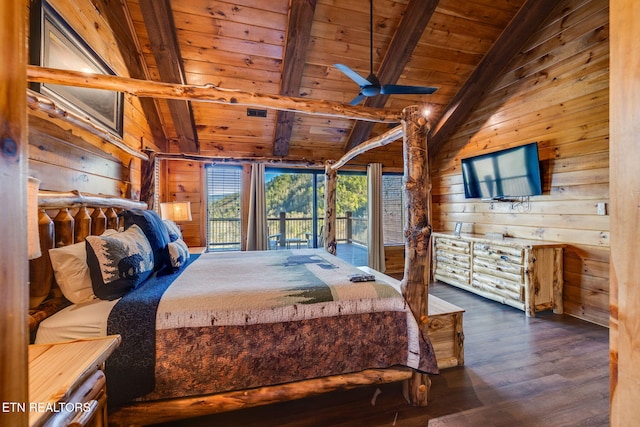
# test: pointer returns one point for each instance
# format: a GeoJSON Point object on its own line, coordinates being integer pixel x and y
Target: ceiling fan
{"type": "Point", "coordinates": [371, 85]}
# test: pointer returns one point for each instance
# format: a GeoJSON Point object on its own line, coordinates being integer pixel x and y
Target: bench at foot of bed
{"type": "Point", "coordinates": [445, 326]}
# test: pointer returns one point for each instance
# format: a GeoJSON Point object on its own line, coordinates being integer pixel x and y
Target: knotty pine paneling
{"type": "Point", "coordinates": [554, 92]}
{"type": "Point", "coordinates": [184, 181]}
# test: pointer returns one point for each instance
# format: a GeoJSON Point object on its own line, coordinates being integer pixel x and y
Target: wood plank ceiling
{"type": "Point", "coordinates": [288, 47]}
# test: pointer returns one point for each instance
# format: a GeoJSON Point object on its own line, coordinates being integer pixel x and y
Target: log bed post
{"type": "Point", "coordinates": [329, 229]}
{"type": "Point", "coordinates": [417, 233]}
{"type": "Point", "coordinates": [148, 187]}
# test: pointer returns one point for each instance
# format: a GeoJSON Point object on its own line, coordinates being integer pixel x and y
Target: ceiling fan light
{"type": "Point", "coordinates": [370, 91]}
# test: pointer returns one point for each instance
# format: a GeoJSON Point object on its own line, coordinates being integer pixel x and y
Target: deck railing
{"type": "Point", "coordinates": [286, 232]}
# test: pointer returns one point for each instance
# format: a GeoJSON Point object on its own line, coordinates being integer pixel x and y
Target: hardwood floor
{"type": "Point", "coordinates": [552, 370]}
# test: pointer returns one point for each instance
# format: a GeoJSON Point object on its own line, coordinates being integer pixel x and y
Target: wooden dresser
{"type": "Point", "coordinates": [67, 384]}
{"type": "Point", "coordinates": [526, 274]}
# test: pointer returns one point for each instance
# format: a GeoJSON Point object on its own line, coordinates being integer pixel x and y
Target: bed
{"type": "Point", "coordinates": [302, 287]}
{"type": "Point", "coordinates": [292, 318]}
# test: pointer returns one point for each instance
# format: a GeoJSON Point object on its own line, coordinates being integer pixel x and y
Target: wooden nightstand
{"type": "Point", "coordinates": [66, 382]}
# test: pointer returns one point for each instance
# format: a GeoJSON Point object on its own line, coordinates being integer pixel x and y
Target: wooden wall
{"type": "Point", "coordinates": [65, 157]}
{"type": "Point", "coordinates": [556, 93]}
{"type": "Point", "coordinates": [185, 181]}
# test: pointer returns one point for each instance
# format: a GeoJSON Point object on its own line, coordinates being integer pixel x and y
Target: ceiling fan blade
{"type": "Point", "coordinates": [408, 90]}
{"type": "Point", "coordinates": [361, 81]}
{"type": "Point", "coordinates": [357, 100]}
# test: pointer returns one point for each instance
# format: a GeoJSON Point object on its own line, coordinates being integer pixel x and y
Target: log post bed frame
{"type": "Point", "coordinates": [59, 231]}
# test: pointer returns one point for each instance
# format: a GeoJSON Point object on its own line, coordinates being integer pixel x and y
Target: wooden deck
{"type": "Point", "coordinates": [550, 370]}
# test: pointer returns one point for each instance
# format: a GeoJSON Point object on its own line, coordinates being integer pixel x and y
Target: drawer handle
{"type": "Point", "coordinates": [504, 257]}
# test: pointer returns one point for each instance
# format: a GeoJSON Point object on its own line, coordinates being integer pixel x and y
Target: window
{"type": "Point", "coordinates": [393, 209]}
{"type": "Point", "coordinates": [295, 207]}
{"type": "Point", "coordinates": [351, 208]}
{"type": "Point", "coordinates": [224, 221]}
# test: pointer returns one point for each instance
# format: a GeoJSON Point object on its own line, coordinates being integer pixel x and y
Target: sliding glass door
{"type": "Point", "coordinates": [295, 208]}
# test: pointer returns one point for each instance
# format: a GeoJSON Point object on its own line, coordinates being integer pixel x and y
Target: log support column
{"type": "Point", "coordinates": [329, 229]}
{"type": "Point", "coordinates": [14, 268]}
{"type": "Point", "coordinates": [417, 186]}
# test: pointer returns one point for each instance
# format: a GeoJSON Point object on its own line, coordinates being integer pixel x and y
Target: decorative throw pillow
{"type": "Point", "coordinates": [72, 272]}
{"type": "Point", "coordinates": [178, 253]}
{"type": "Point", "coordinates": [173, 229]}
{"type": "Point", "coordinates": [119, 262]}
{"type": "Point", "coordinates": [155, 230]}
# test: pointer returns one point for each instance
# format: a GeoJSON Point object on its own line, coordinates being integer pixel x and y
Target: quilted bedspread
{"type": "Point", "coordinates": [246, 319]}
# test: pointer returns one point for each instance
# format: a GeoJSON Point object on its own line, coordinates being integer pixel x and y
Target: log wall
{"type": "Point", "coordinates": [554, 92]}
{"type": "Point", "coordinates": [65, 157]}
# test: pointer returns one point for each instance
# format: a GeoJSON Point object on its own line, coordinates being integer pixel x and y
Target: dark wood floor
{"type": "Point", "coordinates": [552, 370]}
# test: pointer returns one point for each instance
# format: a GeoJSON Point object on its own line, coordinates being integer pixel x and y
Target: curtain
{"type": "Point", "coordinates": [257, 224]}
{"type": "Point", "coordinates": [375, 237]}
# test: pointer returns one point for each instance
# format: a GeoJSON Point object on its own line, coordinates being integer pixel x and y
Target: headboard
{"type": "Point", "coordinates": [66, 218]}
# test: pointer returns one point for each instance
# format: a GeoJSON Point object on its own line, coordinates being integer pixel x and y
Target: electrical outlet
{"type": "Point", "coordinates": [602, 208]}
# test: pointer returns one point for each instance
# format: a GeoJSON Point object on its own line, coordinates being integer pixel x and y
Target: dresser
{"type": "Point", "coordinates": [525, 274]}
{"type": "Point", "coordinates": [67, 383]}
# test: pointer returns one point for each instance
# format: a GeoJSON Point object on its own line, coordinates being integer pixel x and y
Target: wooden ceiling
{"type": "Point", "coordinates": [289, 47]}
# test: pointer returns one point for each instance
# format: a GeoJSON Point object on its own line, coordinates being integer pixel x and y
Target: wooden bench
{"type": "Point", "coordinates": [445, 326]}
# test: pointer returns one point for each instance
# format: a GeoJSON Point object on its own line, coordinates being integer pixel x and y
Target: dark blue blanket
{"type": "Point", "coordinates": [130, 370]}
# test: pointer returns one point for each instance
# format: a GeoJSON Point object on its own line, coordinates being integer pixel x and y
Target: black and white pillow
{"type": "Point", "coordinates": [173, 229]}
{"type": "Point", "coordinates": [155, 231]}
{"type": "Point", "coordinates": [178, 254]}
{"type": "Point", "coordinates": [119, 262]}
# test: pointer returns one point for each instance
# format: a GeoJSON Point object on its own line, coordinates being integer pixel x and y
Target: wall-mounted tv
{"type": "Point", "coordinates": [514, 172]}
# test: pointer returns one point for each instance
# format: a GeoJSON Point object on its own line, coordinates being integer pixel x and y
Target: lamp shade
{"type": "Point", "coordinates": [176, 211]}
{"type": "Point", "coordinates": [33, 245]}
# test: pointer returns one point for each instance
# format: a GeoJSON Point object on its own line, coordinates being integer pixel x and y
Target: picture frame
{"type": "Point", "coordinates": [54, 44]}
{"type": "Point", "coordinates": [458, 229]}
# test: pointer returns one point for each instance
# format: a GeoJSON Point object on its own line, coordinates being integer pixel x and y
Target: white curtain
{"type": "Point", "coordinates": [257, 223]}
{"type": "Point", "coordinates": [375, 237]}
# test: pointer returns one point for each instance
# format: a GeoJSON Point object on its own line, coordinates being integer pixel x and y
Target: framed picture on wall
{"type": "Point", "coordinates": [54, 44]}
{"type": "Point", "coordinates": [458, 228]}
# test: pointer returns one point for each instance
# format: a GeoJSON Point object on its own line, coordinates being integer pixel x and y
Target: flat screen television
{"type": "Point", "coordinates": [514, 172]}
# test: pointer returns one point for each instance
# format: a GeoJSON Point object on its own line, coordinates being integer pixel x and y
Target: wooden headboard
{"type": "Point", "coordinates": [66, 218]}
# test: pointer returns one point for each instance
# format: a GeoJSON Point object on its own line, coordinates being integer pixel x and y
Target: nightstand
{"type": "Point", "coordinates": [66, 382]}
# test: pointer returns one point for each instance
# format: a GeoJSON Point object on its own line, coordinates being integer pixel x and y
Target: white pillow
{"type": "Point", "coordinates": [72, 272]}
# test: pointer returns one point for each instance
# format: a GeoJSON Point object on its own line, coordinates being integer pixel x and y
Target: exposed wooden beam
{"type": "Point", "coordinates": [239, 160]}
{"type": "Point", "coordinates": [404, 41]}
{"type": "Point", "coordinates": [209, 93]}
{"type": "Point", "coordinates": [298, 36]}
{"type": "Point", "coordinates": [512, 39]}
{"type": "Point", "coordinates": [158, 20]}
{"type": "Point", "coordinates": [116, 12]}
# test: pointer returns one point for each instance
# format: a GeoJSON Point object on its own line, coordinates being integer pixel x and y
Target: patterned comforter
{"type": "Point", "coordinates": [239, 320]}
